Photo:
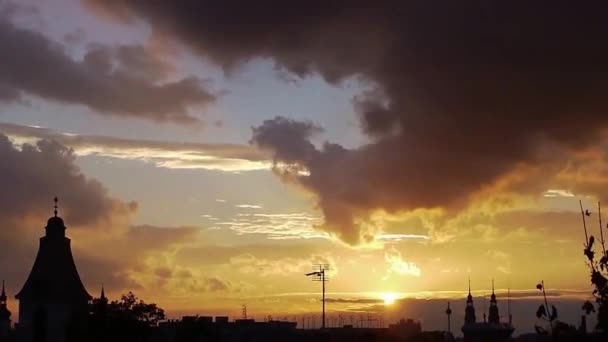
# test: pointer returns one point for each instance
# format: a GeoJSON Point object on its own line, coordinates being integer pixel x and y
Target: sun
{"type": "Point", "coordinates": [389, 298]}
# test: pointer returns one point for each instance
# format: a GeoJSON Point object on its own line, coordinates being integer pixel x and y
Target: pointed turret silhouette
{"type": "Point", "coordinates": [53, 294]}
{"type": "Point", "coordinates": [5, 314]}
{"type": "Point", "coordinates": [469, 311]}
{"type": "Point", "coordinates": [493, 316]}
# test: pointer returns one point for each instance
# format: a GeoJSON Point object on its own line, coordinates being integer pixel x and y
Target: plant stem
{"type": "Point", "coordinates": [584, 224]}
{"type": "Point", "coordinates": [599, 213]}
{"type": "Point", "coordinates": [549, 314]}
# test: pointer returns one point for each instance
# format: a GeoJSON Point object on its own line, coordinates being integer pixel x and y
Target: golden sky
{"type": "Point", "coordinates": [207, 157]}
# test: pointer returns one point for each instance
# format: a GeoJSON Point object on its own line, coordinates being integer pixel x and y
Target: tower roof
{"type": "Point", "coordinates": [54, 275]}
{"type": "Point", "coordinates": [55, 225]}
{"type": "Point", "coordinates": [5, 314]}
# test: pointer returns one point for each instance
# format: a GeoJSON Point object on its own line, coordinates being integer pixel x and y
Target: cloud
{"type": "Point", "coordinates": [249, 206]}
{"type": "Point", "coordinates": [125, 80]}
{"type": "Point", "coordinates": [173, 155]}
{"type": "Point", "coordinates": [215, 285]}
{"type": "Point", "coordinates": [276, 226]}
{"type": "Point", "coordinates": [459, 94]}
{"type": "Point", "coordinates": [97, 223]}
{"type": "Point", "coordinates": [397, 265]}
{"type": "Point", "coordinates": [355, 300]}
{"type": "Point", "coordinates": [248, 263]}
{"type": "Point", "coordinates": [34, 174]}
{"type": "Point", "coordinates": [557, 193]}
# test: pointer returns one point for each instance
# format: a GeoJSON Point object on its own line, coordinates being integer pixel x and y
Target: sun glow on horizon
{"type": "Point", "coordinates": [389, 298]}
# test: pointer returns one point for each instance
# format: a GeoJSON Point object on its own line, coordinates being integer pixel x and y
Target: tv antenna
{"type": "Point", "coordinates": [318, 274]}
{"type": "Point", "coordinates": [244, 311]}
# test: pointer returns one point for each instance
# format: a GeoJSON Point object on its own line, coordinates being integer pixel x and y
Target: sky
{"type": "Point", "coordinates": [207, 155]}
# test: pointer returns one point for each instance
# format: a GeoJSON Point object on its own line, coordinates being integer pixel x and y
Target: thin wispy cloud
{"type": "Point", "coordinates": [249, 206]}
{"type": "Point", "coordinates": [171, 155]}
{"type": "Point", "coordinates": [277, 226]}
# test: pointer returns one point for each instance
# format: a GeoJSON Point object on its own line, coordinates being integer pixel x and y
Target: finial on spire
{"type": "Point", "coordinates": [469, 285]}
{"type": "Point", "coordinates": [492, 285]}
{"type": "Point", "coordinates": [56, 200]}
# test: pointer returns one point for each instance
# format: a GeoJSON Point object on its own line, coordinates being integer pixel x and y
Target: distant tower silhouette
{"type": "Point", "coordinates": [5, 314]}
{"type": "Point", "coordinates": [102, 303]}
{"type": "Point", "coordinates": [448, 312]}
{"type": "Point", "coordinates": [493, 316]}
{"type": "Point", "coordinates": [469, 311]}
{"type": "Point", "coordinates": [53, 297]}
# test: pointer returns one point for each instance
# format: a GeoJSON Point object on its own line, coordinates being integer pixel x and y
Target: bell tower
{"type": "Point", "coordinates": [53, 296]}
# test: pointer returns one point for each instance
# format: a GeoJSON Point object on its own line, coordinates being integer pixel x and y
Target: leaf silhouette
{"type": "Point", "coordinates": [541, 311]}
{"type": "Point", "coordinates": [553, 313]}
{"type": "Point", "coordinates": [588, 307]}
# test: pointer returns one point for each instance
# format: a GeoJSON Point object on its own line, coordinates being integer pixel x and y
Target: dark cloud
{"type": "Point", "coordinates": [462, 93]}
{"type": "Point", "coordinates": [215, 285]}
{"type": "Point", "coordinates": [97, 223]}
{"type": "Point", "coordinates": [34, 174]}
{"type": "Point", "coordinates": [114, 80]}
{"type": "Point", "coordinates": [355, 300]}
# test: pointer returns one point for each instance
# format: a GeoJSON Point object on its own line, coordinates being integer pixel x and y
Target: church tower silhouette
{"type": "Point", "coordinates": [53, 298]}
{"type": "Point", "coordinates": [493, 316]}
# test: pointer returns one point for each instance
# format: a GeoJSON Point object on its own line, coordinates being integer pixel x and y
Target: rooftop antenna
{"type": "Point", "coordinates": [318, 274]}
{"type": "Point", "coordinates": [244, 311]}
{"type": "Point", "coordinates": [509, 305]}
{"type": "Point", "coordinates": [55, 206]}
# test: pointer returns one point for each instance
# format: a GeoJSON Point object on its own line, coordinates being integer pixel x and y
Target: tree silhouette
{"type": "Point", "coordinates": [129, 319]}
{"type": "Point", "coordinates": [599, 269]}
{"type": "Point", "coordinates": [132, 308]}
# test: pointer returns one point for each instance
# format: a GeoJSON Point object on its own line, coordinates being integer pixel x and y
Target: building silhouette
{"type": "Point", "coordinates": [491, 330]}
{"type": "Point", "coordinates": [53, 302]}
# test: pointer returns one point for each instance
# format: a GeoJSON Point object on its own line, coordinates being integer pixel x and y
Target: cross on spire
{"type": "Point", "coordinates": [55, 206]}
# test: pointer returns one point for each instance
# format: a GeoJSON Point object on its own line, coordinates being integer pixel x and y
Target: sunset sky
{"type": "Point", "coordinates": [207, 153]}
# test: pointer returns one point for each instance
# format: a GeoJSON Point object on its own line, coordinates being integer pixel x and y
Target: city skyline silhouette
{"type": "Point", "coordinates": [206, 155]}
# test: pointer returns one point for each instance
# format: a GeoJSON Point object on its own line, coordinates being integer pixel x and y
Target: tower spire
{"type": "Point", "coordinates": [103, 293]}
{"type": "Point", "coordinates": [493, 316]}
{"type": "Point", "coordinates": [3, 297]}
{"type": "Point", "coordinates": [469, 311]}
{"type": "Point", "coordinates": [55, 206]}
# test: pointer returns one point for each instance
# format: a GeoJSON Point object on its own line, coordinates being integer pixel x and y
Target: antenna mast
{"type": "Point", "coordinates": [244, 311]}
{"type": "Point", "coordinates": [509, 305]}
{"type": "Point", "coordinates": [318, 274]}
